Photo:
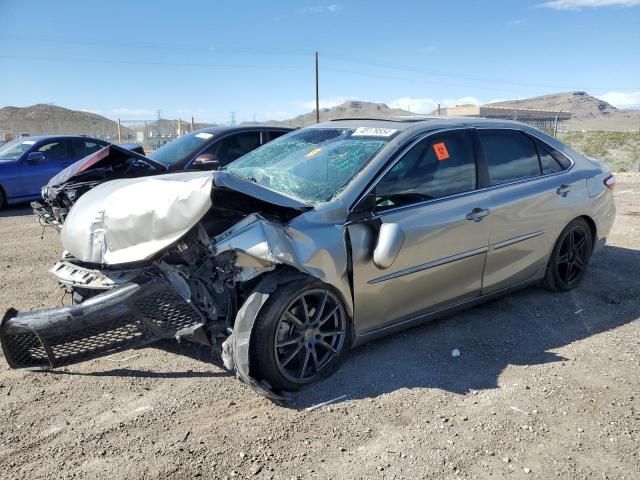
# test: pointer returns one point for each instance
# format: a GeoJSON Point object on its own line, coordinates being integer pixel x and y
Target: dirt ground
{"type": "Point", "coordinates": [546, 386]}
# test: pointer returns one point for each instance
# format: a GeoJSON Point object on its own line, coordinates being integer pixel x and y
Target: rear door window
{"type": "Point", "coordinates": [82, 148]}
{"type": "Point", "coordinates": [57, 151]}
{"type": "Point", "coordinates": [235, 146]}
{"type": "Point", "coordinates": [273, 134]}
{"type": "Point", "coordinates": [436, 167]}
{"type": "Point", "coordinates": [510, 156]}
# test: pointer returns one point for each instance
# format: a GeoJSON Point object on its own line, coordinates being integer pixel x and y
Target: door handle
{"type": "Point", "coordinates": [563, 190]}
{"type": "Point", "coordinates": [477, 214]}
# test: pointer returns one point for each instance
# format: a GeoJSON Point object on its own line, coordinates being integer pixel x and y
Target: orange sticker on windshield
{"type": "Point", "coordinates": [441, 151]}
{"type": "Point", "coordinates": [313, 153]}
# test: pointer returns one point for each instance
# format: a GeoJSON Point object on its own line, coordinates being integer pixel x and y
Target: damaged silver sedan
{"type": "Point", "coordinates": [321, 240]}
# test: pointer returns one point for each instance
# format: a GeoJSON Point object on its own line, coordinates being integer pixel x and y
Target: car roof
{"type": "Point", "coordinates": [422, 122]}
{"type": "Point", "coordinates": [37, 138]}
{"type": "Point", "coordinates": [241, 128]}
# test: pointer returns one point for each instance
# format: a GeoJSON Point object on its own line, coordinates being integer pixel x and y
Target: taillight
{"type": "Point", "coordinates": [610, 182]}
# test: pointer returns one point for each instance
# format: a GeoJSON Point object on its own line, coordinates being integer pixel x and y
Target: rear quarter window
{"type": "Point", "coordinates": [547, 161]}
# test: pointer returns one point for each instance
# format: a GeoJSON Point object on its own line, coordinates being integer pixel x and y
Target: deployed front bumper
{"type": "Point", "coordinates": [127, 316]}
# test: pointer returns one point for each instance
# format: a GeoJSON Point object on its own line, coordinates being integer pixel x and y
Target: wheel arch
{"type": "Point", "coordinates": [237, 349]}
{"type": "Point", "coordinates": [592, 227]}
{"type": "Point", "coordinates": [282, 274]}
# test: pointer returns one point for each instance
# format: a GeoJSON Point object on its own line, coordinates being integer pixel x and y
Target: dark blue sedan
{"type": "Point", "coordinates": [27, 163]}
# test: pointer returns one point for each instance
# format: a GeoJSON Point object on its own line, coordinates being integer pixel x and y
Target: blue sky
{"type": "Point", "coordinates": [255, 58]}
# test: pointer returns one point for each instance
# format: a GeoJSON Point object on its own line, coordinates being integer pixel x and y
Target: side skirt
{"type": "Point", "coordinates": [441, 312]}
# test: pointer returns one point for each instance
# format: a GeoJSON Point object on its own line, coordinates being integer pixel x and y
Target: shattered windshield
{"type": "Point", "coordinates": [181, 149]}
{"type": "Point", "coordinates": [313, 164]}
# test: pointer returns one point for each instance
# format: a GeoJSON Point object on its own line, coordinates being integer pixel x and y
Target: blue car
{"type": "Point", "coordinates": [27, 163]}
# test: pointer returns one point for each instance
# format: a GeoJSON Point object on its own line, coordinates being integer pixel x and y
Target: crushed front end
{"type": "Point", "coordinates": [118, 309]}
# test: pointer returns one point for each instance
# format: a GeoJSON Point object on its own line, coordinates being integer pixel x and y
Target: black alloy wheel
{"type": "Point", "coordinates": [301, 336]}
{"type": "Point", "coordinates": [570, 257]}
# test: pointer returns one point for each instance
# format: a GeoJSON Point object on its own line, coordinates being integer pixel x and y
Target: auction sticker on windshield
{"type": "Point", "coordinates": [204, 135]}
{"type": "Point", "coordinates": [373, 132]}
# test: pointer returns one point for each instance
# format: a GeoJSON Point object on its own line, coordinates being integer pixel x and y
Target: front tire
{"type": "Point", "coordinates": [569, 258]}
{"type": "Point", "coordinates": [301, 335]}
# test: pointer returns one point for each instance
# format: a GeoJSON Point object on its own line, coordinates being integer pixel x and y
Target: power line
{"type": "Point", "coordinates": [455, 76]}
{"type": "Point", "coordinates": [143, 62]}
{"type": "Point", "coordinates": [149, 45]}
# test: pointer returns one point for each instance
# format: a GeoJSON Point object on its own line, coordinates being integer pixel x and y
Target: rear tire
{"type": "Point", "coordinates": [569, 258]}
{"type": "Point", "coordinates": [3, 200]}
{"type": "Point", "coordinates": [301, 335]}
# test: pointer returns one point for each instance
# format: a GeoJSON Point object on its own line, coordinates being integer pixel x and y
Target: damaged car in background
{"type": "Point", "coordinates": [324, 239]}
{"type": "Point", "coordinates": [204, 149]}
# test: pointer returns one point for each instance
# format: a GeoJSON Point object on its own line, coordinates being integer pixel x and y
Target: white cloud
{"type": "Point", "coordinates": [622, 100]}
{"type": "Point", "coordinates": [332, 8]}
{"type": "Point", "coordinates": [417, 105]}
{"type": "Point", "coordinates": [579, 4]}
{"type": "Point", "coordinates": [516, 22]}
{"type": "Point", "coordinates": [428, 105]}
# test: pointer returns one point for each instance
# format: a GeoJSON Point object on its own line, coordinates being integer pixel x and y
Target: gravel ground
{"type": "Point", "coordinates": [546, 386]}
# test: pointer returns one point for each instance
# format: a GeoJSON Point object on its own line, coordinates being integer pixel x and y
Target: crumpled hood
{"type": "Point", "coordinates": [130, 220]}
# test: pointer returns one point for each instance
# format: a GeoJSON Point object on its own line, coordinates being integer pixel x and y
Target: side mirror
{"type": "Point", "coordinates": [35, 157]}
{"type": "Point", "coordinates": [390, 240]}
{"type": "Point", "coordinates": [207, 161]}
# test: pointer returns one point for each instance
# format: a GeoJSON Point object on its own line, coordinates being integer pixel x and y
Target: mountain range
{"type": "Point", "coordinates": [588, 113]}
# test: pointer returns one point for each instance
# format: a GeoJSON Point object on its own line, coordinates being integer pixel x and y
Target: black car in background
{"type": "Point", "coordinates": [205, 149]}
{"type": "Point", "coordinates": [215, 147]}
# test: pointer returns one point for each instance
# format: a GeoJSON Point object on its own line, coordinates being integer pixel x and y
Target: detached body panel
{"type": "Point", "coordinates": [127, 316]}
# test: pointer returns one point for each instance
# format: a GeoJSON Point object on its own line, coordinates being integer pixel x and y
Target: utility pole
{"type": "Point", "coordinates": [119, 132]}
{"type": "Point", "coordinates": [193, 125]}
{"type": "Point", "coordinates": [317, 93]}
{"type": "Point", "coordinates": [233, 118]}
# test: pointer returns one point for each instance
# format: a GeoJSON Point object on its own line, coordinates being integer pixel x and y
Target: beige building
{"type": "Point", "coordinates": [546, 120]}
{"type": "Point", "coordinates": [504, 113]}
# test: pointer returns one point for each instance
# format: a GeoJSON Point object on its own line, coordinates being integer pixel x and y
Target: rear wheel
{"type": "Point", "coordinates": [2, 199]}
{"type": "Point", "coordinates": [570, 257]}
{"type": "Point", "coordinates": [301, 336]}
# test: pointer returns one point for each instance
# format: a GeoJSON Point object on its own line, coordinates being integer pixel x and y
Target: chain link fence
{"type": "Point", "coordinates": [151, 134]}
{"type": "Point", "coordinates": [620, 150]}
